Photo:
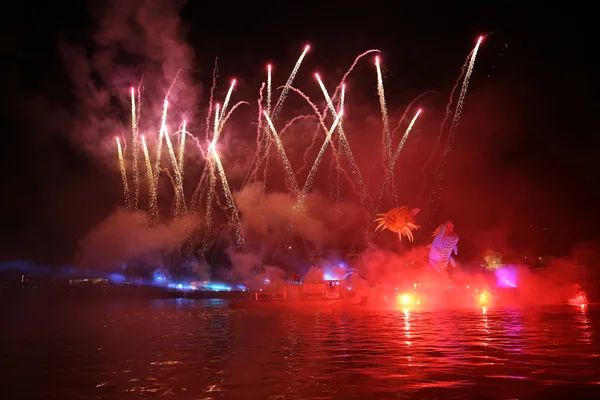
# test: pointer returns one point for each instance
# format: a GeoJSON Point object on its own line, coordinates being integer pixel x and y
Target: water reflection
{"type": "Point", "coordinates": [584, 324]}
{"type": "Point", "coordinates": [206, 349]}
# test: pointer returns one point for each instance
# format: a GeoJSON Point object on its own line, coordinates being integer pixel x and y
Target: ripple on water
{"type": "Point", "coordinates": [186, 349]}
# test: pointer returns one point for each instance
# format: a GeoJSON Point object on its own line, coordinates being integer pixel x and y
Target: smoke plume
{"type": "Point", "coordinates": [125, 237]}
{"type": "Point", "coordinates": [133, 40]}
{"type": "Point", "coordinates": [321, 225]}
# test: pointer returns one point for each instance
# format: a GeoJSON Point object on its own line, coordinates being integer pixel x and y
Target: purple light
{"type": "Point", "coordinates": [506, 277]}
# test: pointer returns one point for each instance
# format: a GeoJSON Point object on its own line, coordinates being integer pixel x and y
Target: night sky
{"type": "Point", "coordinates": [525, 159]}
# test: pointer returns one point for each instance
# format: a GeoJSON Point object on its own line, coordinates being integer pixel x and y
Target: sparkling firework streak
{"type": "Point", "coordinates": [318, 117]}
{"type": "Point", "coordinates": [390, 170]}
{"type": "Point", "coordinates": [123, 174]}
{"type": "Point", "coordinates": [225, 104]}
{"type": "Point", "coordinates": [255, 164]}
{"type": "Point", "coordinates": [179, 194]}
{"type": "Point", "coordinates": [286, 162]}
{"type": "Point", "coordinates": [199, 191]}
{"type": "Point", "coordinates": [212, 95]}
{"type": "Point", "coordinates": [215, 129]}
{"type": "Point", "coordinates": [346, 147]}
{"type": "Point", "coordinates": [343, 81]}
{"type": "Point", "coordinates": [461, 97]}
{"type": "Point", "coordinates": [269, 89]}
{"type": "Point", "coordinates": [230, 203]}
{"type": "Point", "coordinates": [209, 200]}
{"type": "Point", "coordinates": [336, 159]}
{"type": "Point", "coordinates": [439, 174]}
{"type": "Point", "coordinates": [135, 148]}
{"type": "Point", "coordinates": [387, 139]}
{"type": "Point", "coordinates": [235, 106]}
{"type": "Point", "coordinates": [299, 206]}
{"type": "Point", "coordinates": [313, 170]}
{"type": "Point", "coordinates": [387, 136]}
{"type": "Point", "coordinates": [289, 82]}
{"type": "Point", "coordinates": [163, 128]}
{"type": "Point", "coordinates": [151, 184]}
{"type": "Point", "coordinates": [213, 178]}
{"type": "Point", "coordinates": [182, 148]}
{"type": "Point", "coordinates": [275, 114]}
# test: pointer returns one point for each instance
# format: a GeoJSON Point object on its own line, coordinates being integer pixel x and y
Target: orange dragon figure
{"type": "Point", "coordinates": [400, 220]}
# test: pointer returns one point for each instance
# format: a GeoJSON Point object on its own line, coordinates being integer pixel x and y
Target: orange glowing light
{"type": "Point", "coordinates": [484, 298]}
{"type": "Point", "coordinates": [405, 299]}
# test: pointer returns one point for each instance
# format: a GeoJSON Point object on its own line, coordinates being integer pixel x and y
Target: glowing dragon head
{"type": "Point", "coordinates": [400, 220]}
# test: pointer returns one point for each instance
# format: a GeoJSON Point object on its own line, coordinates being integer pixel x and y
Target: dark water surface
{"type": "Point", "coordinates": [204, 349]}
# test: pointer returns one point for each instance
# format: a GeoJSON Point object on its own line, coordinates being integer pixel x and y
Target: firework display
{"type": "Point", "coordinates": [400, 220]}
{"type": "Point", "coordinates": [267, 135]}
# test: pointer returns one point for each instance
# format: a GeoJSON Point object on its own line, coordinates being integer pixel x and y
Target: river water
{"type": "Point", "coordinates": [205, 349]}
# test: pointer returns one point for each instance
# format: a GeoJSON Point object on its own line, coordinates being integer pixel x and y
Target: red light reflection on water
{"type": "Point", "coordinates": [187, 349]}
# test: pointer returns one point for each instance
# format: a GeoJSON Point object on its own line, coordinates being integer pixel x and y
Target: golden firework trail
{"type": "Point", "coordinates": [300, 203]}
{"type": "Point", "coordinates": [163, 128]}
{"type": "Point", "coordinates": [230, 203]}
{"type": "Point", "coordinates": [387, 139]}
{"type": "Point", "coordinates": [461, 97]}
{"type": "Point", "coordinates": [269, 89]}
{"type": "Point", "coordinates": [390, 169]}
{"type": "Point", "coordinates": [209, 199]}
{"type": "Point", "coordinates": [439, 174]}
{"type": "Point", "coordinates": [213, 178]}
{"type": "Point", "coordinates": [215, 129]}
{"type": "Point", "coordinates": [346, 147]}
{"type": "Point", "coordinates": [387, 136]}
{"type": "Point", "coordinates": [179, 194]}
{"type": "Point", "coordinates": [313, 170]}
{"type": "Point", "coordinates": [336, 159]}
{"type": "Point", "coordinates": [225, 104]}
{"type": "Point", "coordinates": [123, 174]}
{"type": "Point", "coordinates": [286, 162]}
{"type": "Point", "coordinates": [289, 82]}
{"type": "Point", "coordinates": [135, 149]}
{"type": "Point", "coordinates": [275, 114]}
{"type": "Point", "coordinates": [152, 186]}
{"type": "Point", "coordinates": [182, 148]}
{"type": "Point", "coordinates": [349, 71]}
{"type": "Point", "coordinates": [255, 163]}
